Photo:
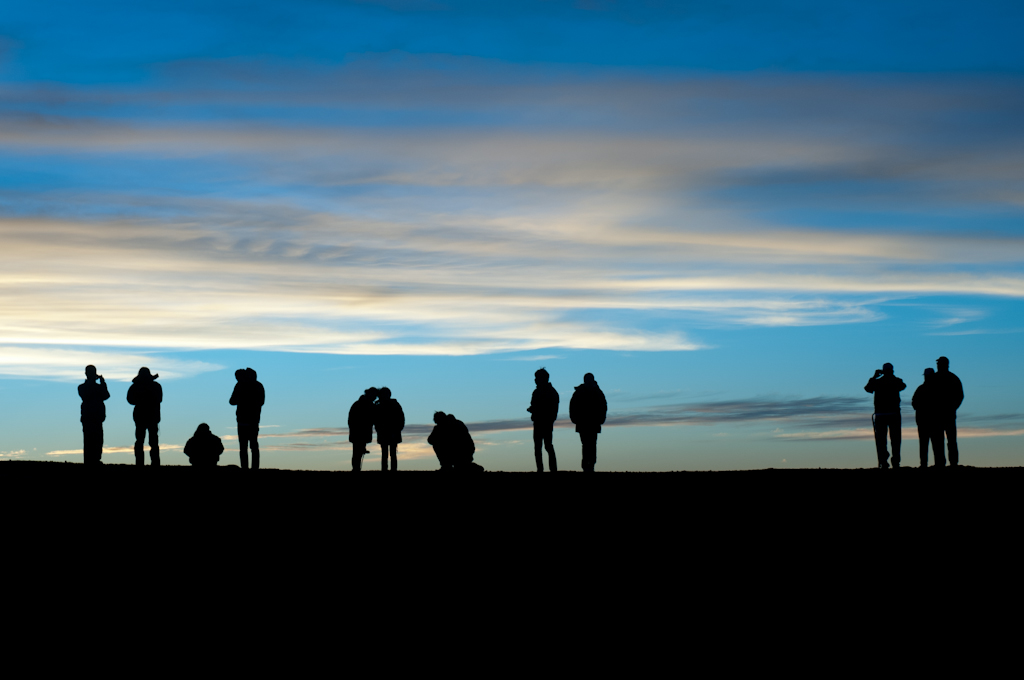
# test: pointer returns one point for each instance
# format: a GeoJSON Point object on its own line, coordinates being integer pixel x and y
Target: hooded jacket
{"type": "Point", "coordinates": [588, 408]}
{"type": "Point", "coordinates": [145, 394]}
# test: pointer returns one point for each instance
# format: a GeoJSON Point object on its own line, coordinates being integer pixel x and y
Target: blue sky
{"type": "Point", "coordinates": [731, 213]}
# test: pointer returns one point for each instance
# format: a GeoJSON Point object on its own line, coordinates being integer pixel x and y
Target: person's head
{"type": "Point", "coordinates": [384, 393]}
{"type": "Point", "coordinates": [928, 372]}
{"type": "Point", "coordinates": [942, 363]}
{"type": "Point", "coordinates": [90, 372]}
{"type": "Point", "coordinates": [240, 375]}
{"type": "Point", "coordinates": [887, 369]}
{"type": "Point", "coordinates": [250, 374]}
{"type": "Point", "coordinates": [146, 375]}
{"type": "Point", "coordinates": [370, 393]}
{"type": "Point", "coordinates": [202, 429]}
{"type": "Point", "coordinates": [439, 416]}
{"type": "Point", "coordinates": [541, 376]}
{"type": "Point", "coordinates": [588, 379]}
{"type": "Point", "coordinates": [451, 418]}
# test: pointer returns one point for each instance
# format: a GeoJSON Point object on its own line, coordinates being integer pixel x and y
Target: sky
{"type": "Point", "coordinates": [731, 213]}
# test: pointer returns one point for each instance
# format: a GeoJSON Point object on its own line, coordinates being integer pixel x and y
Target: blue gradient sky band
{"type": "Point", "coordinates": [731, 214]}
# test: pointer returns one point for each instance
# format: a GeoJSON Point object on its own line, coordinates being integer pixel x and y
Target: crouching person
{"type": "Point", "coordinates": [204, 447]}
{"type": "Point", "coordinates": [440, 439]}
{"type": "Point", "coordinates": [453, 444]}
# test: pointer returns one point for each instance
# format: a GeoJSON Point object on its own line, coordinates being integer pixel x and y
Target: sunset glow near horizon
{"type": "Point", "coordinates": [730, 213]}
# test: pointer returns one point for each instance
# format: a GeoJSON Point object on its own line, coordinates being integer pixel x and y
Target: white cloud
{"type": "Point", "coordinates": [598, 210]}
{"type": "Point", "coordinates": [60, 363]}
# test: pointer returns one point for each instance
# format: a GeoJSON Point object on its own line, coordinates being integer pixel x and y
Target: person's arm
{"type": "Point", "coordinates": [159, 392]}
{"type": "Point", "coordinates": [604, 408]}
{"type": "Point", "coordinates": [959, 395]}
{"type": "Point", "coordinates": [234, 396]}
{"type": "Point", "coordinates": [261, 394]}
{"type": "Point", "coordinates": [903, 385]}
{"type": "Point", "coordinates": [401, 417]}
{"type": "Point", "coordinates": [131, 394]}
{"type": "Point", "coordinates": [106, 393]}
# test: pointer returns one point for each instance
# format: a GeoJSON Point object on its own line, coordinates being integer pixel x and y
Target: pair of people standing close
{"type": "Point", "coordinates": [248, 398]}
{"type": "Point", "coordinates": [588, 409]}
{"type": "Point", "coordinates": [935, 401]}
{"type": "Point", "coordinates": [386, 416]}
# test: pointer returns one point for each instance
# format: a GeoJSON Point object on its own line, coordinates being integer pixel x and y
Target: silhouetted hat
{"type": "Point", "coordinates": [942, 360]}
{"type": "Point", "coordinates": [887, 365]}
{"type": "Point", "coordinates": [929, 371]}
{"type": "Point", "coordinates": [144, 373]}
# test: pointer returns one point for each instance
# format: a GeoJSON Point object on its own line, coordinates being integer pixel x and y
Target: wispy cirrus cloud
{"type": "Point", "coordinates": [438, 205]}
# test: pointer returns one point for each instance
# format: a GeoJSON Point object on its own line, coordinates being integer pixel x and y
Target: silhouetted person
{"type": "Point", "coordinates": [94, 412]}
{"type": "Point", "coordinates": [389, 420]}
{"type": "Point", "coordinates": [204, 447]}
{"type": "Point", "coordinates": [588, 409]}
{"type": "Point", "coordinates": [440, 438]}
{"type": "Point", "coordinates": [248, 398]}
{"type": "Point", "coordinates": [146, 394]}
{"type": "Point", "coordinates": [923, 402]}
{"type": "Point", "coordinates": [462, 446]}
{"type": "Point", "coordinates": [453, 444]}
{"type": "Point", "coordinates": [360, 426]}
{"type": "Point", "coordinates": [949, 394]}
{"type": "Point", "coordinates": [544, 410]}
{"type": "Point", "coordinates": [886, 418]}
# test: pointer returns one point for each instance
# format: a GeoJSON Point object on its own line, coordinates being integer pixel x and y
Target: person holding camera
{"type": "Point", "coordinates": [886, 418]}
{"type": "Point", "coordinates": [94, 412]}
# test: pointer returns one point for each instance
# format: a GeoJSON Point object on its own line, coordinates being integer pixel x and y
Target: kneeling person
{"type": "Point", "coordinates": [204, 447]}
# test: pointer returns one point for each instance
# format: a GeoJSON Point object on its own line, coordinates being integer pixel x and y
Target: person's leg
{"type": "Point", "coordinates": [254, 445]}
{"type": "Point", "coordinates": [92, 435]}
{"type": "Point", "coordinates": [243, 447]}
{"type": "Point", "coordinates": [394, 457]}
{"type": "Point", "coordinates": [954, 452]}
{"type": "Point", "coordinates": [538, 438]}
{"type": "Point", "coordinates": [383, 457]}
{"type": "Point", "coordinates": [923, 436]}
{"type": "Point", "coordinates": [880, 449]}
{"type": "Point", "coordinates": [938, 443]}
{"type": "Point", "coordinates": [896, 435]}
{"type": "Point", "coordinates": [552, 462]}
{"type": "Point", "coordinates": [154, 444]}
{"type": "Point", "coordinates": [588, 440]}
{"type": "Point", "coordinates": [140, 443]}
{"type": "Point", "coordinates": [357, 456]}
